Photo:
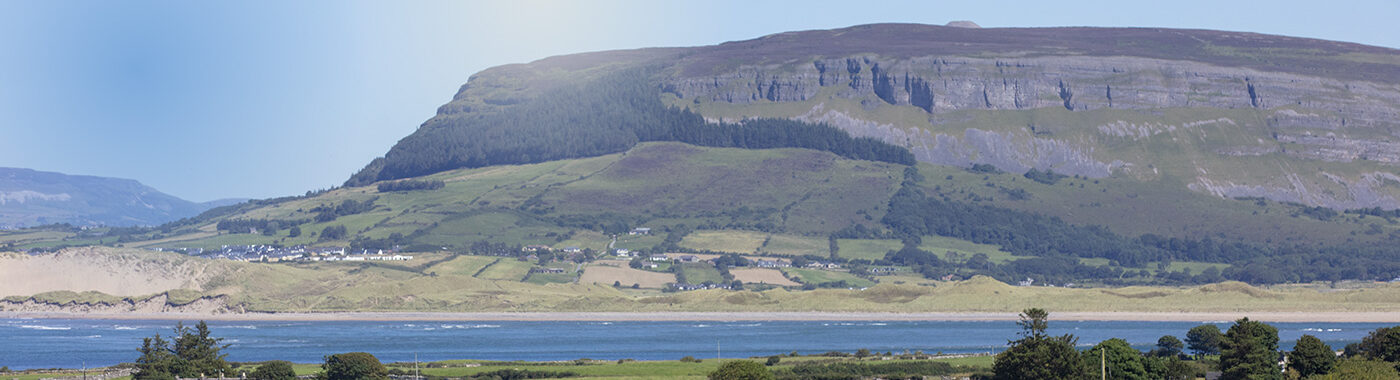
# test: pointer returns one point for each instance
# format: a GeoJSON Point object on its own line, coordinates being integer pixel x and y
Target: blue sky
{"type": "Point", "coordinates": [216, 99]}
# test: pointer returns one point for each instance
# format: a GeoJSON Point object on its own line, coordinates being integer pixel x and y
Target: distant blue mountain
{"type": "Point", "coordinates": [30, 197]}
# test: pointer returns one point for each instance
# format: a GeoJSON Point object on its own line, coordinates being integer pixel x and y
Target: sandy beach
{"type": "Point", "coordinates": [1382, 317]}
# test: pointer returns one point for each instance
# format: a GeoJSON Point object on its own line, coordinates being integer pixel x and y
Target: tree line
{"type": "Point", "coordinates": [1248, 350]}
{"type": "Point", "coordinates": [1058, 245]}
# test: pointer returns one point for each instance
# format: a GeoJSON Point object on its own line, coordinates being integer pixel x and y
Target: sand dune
{"type": "Point", "coordinates": [114, 272]}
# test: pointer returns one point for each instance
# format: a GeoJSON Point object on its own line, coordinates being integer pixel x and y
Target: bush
{"type": "Point", "coordinates": [741, 370]}
{"type": "Point", "coordinates": [274, 370]}
{"type": "Point", "coordinates": [690, 359]}
{"type": "Point", "coordinates": [772, 360]}
{"type": "Point", "coordinates": [354, 366]}
{"type": "Point", "coordinates": [871, 369]}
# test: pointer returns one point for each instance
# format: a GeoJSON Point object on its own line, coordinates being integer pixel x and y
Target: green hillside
{"type": "Point", "coordinates": [578, 202]}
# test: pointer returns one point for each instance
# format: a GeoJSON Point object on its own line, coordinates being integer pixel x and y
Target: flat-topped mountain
{"type": "Point", "coordinates": [1220, 113]}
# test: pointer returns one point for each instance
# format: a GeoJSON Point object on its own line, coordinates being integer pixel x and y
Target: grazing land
{"type": "Point", "coordinates": [742, 242]}
{"type": "Point", "coordinates": [607, 275]}
{"type": "Point", "coordinates": [762, 276]}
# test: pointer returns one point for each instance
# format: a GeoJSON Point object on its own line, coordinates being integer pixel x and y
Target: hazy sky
{"type": "Point", "coordinates": [213, 99]}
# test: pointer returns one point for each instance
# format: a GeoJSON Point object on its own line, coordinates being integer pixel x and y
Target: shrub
{"type": "Point", "coordinates": [741, 370]}
{"type": "Point", "coordinates": [354, 366]}
{"type": "Point", "coordinates": [274, 370]}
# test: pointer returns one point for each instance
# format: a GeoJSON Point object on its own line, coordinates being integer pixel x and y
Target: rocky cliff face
{"type": "Point", "coordinates": [975, 111]}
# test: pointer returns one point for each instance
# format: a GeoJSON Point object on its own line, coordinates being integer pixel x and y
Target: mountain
{"type": "Point", "coordinates": [1099, 156]}
{"type": "Point", "coordinates": [1226, 114]}
{"type": "Point", "coordinates": [29, 198]}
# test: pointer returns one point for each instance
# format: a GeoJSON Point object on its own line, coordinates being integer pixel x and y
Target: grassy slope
{"type": "Point", "coordinates": [510, 203]}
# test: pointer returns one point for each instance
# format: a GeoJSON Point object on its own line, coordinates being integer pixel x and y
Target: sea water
{"type": "Point", "coordinates": [71, 343]}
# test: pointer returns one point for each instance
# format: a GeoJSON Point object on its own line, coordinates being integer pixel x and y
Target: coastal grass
{"type": "Point", "coordinates": [464, 265]}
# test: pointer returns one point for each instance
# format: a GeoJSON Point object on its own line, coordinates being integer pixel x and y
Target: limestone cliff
{"type": "Point", "coordinates": [1258, 128]}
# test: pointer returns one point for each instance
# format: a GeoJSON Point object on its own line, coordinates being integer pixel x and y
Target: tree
{"type": "Point", "coordinates": [156, 360]}
{"type": "Point", "coordinates": [294, 232]}
{"type": "Point", "coordinates": [192, 353]}
{"type": "Point", "coordinates": [741, 370]}
{"type": "Point", "coordinates": [1311, 356]}
{"type": "Point", "coordinates": [1250, 351]}
{"type": "Point", "coordinates": [1361, 369]}
{"type": "Point", "coordinates": [198, 351]}
{"type": "Point", "coordinates": [274, 370]}
{"type": "Point", "coordinates": [1037, 355]}
{"type": "Point", "coordinates": [1120, 360]}
{"type": "Point", "coordinates": [1204, 339]}
{"type": "Point", "coordinates": [1382, 344]}
{"type": "Point", "coordinates": [1168, 345]}
{"type": "Point", "coordinates": [335, 232]}
{"type": "Point", "coordinates": [354, 366]}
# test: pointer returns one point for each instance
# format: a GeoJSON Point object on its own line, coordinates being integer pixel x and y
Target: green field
{"type": "Point", "coordinates": [743, 242]}
{"type": "Point", "coordinates": [593, 369]}
{"type": "Point", "coordinates": [506, 269]}
{"type": "Point", "coordinates": [639, 242]}
{"type": "Point", "coordinates": [569, 276]}
{"type": "Point", "coordinates": [462, 265]}
{"type": "Point", "coordinates": [524, 204]}
{"type": "Point", "coordinates": [701, 273]}
{"type": "Point", "coordinates": [941, 245]}
{"type": "Point", "coordinates": [875, 249]}
{"type": "Point", "coordinates": [817, 276]}
{"type": "Point", "coordinates": [868, 249]}
{"type": "Point", "coordinates": [794, 245]}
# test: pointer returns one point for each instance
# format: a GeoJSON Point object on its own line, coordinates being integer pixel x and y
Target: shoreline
{"type": "Point", "coordinates": [1359, 317]}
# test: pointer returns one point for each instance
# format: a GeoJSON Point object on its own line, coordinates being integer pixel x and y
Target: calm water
{"type": "Point", "coordinates": [46, 343]}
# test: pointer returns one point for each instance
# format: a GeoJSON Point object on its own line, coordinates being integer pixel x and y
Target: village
{"type": "Point", "coordinates": [268, 253]}
{"type": "Point", "coordinates": [539, 263]}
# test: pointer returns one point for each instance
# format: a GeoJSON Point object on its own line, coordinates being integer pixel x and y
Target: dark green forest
{"type": "Point", "coordinates": [1058, 245]}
